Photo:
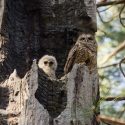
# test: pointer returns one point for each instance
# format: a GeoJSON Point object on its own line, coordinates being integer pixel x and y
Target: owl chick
{"type": "Point", "coordinates": [84, 51]}
{"type": "Point", "coordinates": [49, 65]}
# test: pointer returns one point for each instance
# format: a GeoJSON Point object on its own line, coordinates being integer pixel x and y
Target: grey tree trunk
{"type": "Point", "coordinates": [30, 29]}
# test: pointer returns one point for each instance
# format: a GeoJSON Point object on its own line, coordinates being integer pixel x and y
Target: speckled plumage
{"type": "Point", "coordinates": [84, 51]}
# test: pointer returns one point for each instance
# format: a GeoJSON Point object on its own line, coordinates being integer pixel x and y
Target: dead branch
{"type": "Point", "coordinates": [110, 120]}
{"type": "Point", "coordinates": [117, 50]}
{"type": "Point", "coordinates": [112, 98]}
{"type": "Point", "coordinates": [101, 4]}
{"type": "Point", "coordinates": [107, 66]}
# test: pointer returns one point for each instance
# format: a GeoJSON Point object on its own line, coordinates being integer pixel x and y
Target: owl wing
{"type": "Point", "coordinates": [70, 60]}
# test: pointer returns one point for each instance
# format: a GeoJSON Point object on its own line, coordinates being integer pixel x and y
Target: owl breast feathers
{"type": "Point", "coordinates": [84, 51]}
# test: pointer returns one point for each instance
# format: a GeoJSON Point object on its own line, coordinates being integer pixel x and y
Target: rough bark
{"type": "Point", "coordinates": [82, 88]}
{"type": "Point", "coordinates": [23, 108]}
{"type": "Point", "coordinates": [29, 30]}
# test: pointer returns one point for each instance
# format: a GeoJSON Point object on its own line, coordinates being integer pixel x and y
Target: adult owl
{"type": "Point", "coordinates": [84, 51]}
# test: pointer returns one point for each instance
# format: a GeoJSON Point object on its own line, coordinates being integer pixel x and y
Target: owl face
{"type": "Point", "coordinates": [48, 63]}
{"type": "Point", "coordinates": [83, 38]}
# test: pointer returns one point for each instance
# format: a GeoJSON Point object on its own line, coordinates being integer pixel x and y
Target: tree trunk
{"type": "Point", "coordinates": [29, 30]}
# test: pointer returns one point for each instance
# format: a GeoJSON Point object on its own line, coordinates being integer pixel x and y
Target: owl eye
{"type": "Point", "coordinates": [81, 39]}
{"type": "Point", "coordinates": [90, 38]}
{"type": "Point", "coordinates": [50, 63]}
{"type": "Point", "coordinates": [46, 62]}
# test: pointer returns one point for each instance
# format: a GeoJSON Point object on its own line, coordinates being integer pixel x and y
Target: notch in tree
{"type": "Point", "coordinates": [31, 29]}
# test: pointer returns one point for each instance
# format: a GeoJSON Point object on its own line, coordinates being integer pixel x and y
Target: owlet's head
{"type": "Point", "coordinates": [48, 63]}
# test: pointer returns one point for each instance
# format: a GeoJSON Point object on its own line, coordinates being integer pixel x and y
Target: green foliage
{"type": "Point", "coordinates": [109, 36]}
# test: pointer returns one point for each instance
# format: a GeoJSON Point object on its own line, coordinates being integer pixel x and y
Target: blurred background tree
{"type": "Point", "coordinates": [110, 35]}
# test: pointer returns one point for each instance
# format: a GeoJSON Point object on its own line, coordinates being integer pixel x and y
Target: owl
{"type": "Point", "coordinates": [49, 65]}
{"type": "Point", "coordinates": [84, 51]}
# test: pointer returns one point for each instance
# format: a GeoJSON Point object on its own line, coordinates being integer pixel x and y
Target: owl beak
{"type": "Point", "coordinates": [86, 39]}
{"type": "Point", "coordinates": [49, 65]}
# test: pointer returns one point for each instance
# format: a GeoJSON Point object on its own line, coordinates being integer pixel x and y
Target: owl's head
{"type": "Point", "coordinates": [48, 62]}
{"type": "Point", "coordinates": [86, 37]}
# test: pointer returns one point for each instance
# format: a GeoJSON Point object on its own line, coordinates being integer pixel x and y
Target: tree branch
{"type": "Point", "coordinates": [107, 66]}
{"type": "Point", "coordinates": [120, 66]}
{"type": "Point", "coordinates": [120, 15]}
{"type": "Point", "coordinates": [117, 50]}
{"type": "Point", "coordinates": [101, 4]}
{"type": "Point", "coordinates": [112, 98]}
{"type": "Point", "coordinates": [110, 120]}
